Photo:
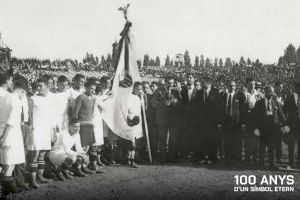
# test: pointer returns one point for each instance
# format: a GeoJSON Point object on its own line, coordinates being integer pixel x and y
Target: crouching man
{"type": "Point", "coordinates": [68, 154]}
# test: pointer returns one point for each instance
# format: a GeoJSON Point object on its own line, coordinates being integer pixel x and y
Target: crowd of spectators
{"type": "Point", "coordinates": [264, 74]}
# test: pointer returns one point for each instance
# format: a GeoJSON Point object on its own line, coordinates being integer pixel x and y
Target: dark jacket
{"type": "Point", "coordinates": [188, 107]}
{"type": "Point", "coordinates": [291, 111]}
{"type": "Point", "coordinates": [209, 112]}
{"type": "Point", "coordinates": [163, 113]}
{"type": "Point", "coordinates": [261, 120]}
{"type": "Point", "coordinates": [238, 101]}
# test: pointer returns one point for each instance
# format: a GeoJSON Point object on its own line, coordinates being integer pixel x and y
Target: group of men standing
{"type": "Point", "coordinates": [59, 130]}
{"type": "Point", "coordinates": [54, 132]}
{"type": "Point", "coordinates": [237, 124]}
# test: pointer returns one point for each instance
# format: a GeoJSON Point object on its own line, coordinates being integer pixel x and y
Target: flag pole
{"type": "Point", "coordinates": [146, 131]}
{"type": "Point", "coordinates": [124, 9]}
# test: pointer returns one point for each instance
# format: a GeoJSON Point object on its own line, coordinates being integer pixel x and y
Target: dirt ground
{"type": "Point", "coordinates": [158, 182]}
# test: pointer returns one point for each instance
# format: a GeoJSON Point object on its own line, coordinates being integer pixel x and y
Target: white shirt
{"type": "Point", "coordinates": [73, 94]}
{"type": "Point", "coordinates": [251, 98]}
{"type": "Point", "coordinates": [3, 92]}
{"type": "Point", "coordinates": [295, 97]}
{"type": "Point", "coordinates": [190, 92]}
{"type": "Point", "coordinates": [66, 141]}
{"type": "Point", "coordinates": [208, 91]}
{"type": "Point", "coordinates": [280, 101]}
{"type": "Point", "coordinates": [269, 103]}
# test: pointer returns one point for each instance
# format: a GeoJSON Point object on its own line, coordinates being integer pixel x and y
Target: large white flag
{"type": "Point", "coordinates": [115, 111]}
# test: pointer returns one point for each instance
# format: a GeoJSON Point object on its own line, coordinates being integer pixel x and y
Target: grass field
{"type": "Point", "coordinates": [184, 181]}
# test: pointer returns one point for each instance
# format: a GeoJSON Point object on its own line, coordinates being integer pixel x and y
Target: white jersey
{"type": "Point", "coordinates": [63, 148]}
{"type": "Point", "coordinates": [75, 93]}
{"type": "Point", "coordinates": [3, 92]}
{"type": "Point", "coordinates": [43, 123]}
{"type": "Point", "coordinates": [252, 98]}
{"type": "Point", "coordinates": [12, 148]}
{"type": "Point", "coordinates": [61, 100]}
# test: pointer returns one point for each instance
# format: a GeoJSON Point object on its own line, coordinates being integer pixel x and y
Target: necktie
{"type": "Point", "coordinates": [205, 95]}
{"type": "Point", "coordinates": [229, 105]}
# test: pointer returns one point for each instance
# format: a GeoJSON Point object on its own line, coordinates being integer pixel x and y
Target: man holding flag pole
{"type": "Point", "coordinates": [123, 112]}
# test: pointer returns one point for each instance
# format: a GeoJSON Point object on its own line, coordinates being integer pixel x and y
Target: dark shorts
{"type": "Point", "coordinates": [87, 136]}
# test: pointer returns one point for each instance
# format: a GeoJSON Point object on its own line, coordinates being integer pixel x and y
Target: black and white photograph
{"type": "Point", "coordinates": [149, 99]}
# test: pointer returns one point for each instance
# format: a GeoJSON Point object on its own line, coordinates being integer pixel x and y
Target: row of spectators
{"type": "Point", "coordinates": [265, 74]}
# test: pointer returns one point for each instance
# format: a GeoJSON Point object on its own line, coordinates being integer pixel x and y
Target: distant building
{"type": "Point", "coordinates": [5, 57]}
{"type": "Point", "coordinates": [179, 61]}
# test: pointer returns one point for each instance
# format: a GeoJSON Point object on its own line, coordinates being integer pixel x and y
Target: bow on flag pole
{"type": "Point", "coordinates": [116, 109]}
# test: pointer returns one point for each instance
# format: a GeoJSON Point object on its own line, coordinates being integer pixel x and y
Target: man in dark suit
{"type": "Point", "coordinates": [280, 97]}
{"type": "Point", "coordinates": [266, 114]}
{"type": "Point", "coordinates": [232, 105]}
{"type": "Point", "coordinates": [247, 119]}
{"type": "Point", "coordinates": [209, 109]}
{"type": "Point", "coordinates": [188, 120]}
{"type": "Point", "coordinates": [165, 101]}
{"type": "Point", "coordinates": [142, 143]}
{"type": "Point", "coordinates": [292, 111]}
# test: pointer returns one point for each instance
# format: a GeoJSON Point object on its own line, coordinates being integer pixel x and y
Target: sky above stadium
{"type": "Point", "coordinates": [215, 28]}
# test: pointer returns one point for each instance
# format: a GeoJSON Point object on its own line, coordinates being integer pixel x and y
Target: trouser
{"type": "Point", "coordinates": [173, 141]}
{"type": "Point", "coordinates": [208, 143]}
{"type": "Point", "coordinates": [162, 140]}
{"type": "Point", "coordinates": [292, 138]}
{"type": "Point", "coordinates": [232, 143]}
{"type": "Point", "coordinates": [250, 140]}
{"type": "Point", "coordinates": [153, 137]}
{"type": "Point", "coordinates": [267, 140]}
{"type": "Point", "coordinates": [251, 146]}
{"type": "Point", "coordinates": [278, 145]}
{"type": "Point", "coordinates": [221, 138]}
{"type": "Point", "coordinates": [269, 144]}
{"type": "Point", "coordinates": [166, 145]}
{"type": "Point", "coordinates": [188, 136]}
